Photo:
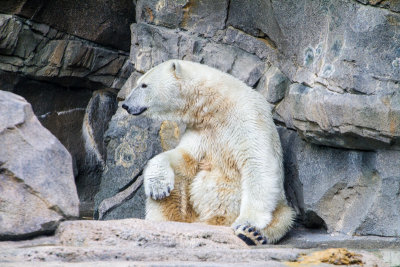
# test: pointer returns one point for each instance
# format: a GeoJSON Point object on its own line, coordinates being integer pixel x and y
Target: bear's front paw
{"type": "Point", "coordinates": [158, 182]}
{"type": "Point", "coordinates": [250, 235]}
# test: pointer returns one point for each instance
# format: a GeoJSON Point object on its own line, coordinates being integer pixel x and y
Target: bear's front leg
{"type": "Point", "coordinates": [158, 177]}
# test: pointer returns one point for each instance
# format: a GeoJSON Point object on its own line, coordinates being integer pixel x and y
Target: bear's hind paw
{"type": "Point", "coordinates": [250, 235]}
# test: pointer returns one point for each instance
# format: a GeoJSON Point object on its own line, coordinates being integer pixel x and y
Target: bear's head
{"type": "Point", "coordinates": [158, 93]}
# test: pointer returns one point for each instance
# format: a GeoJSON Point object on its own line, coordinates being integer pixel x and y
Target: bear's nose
{"type": "Point", "coordinates": [124, 106]}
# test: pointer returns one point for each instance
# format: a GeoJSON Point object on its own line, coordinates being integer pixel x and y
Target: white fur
{"type": "Point", "coordinates": [247, 135]}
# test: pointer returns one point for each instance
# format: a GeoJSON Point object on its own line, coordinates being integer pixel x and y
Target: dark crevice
{"type": "Point", "coordinates": [28, 236]}
{"type": "Point", "coordinates": [312, 220]}
{"type": "Point", "coordinates": [266, 39]}
{"type": "Point", "coordinates": [227, 13]}
{"type": "Point", "coordinates": [131, 182]}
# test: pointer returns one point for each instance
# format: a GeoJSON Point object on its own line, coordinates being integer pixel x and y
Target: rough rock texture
{"type": "Point", "coordinates": [330, 47]}
{"type": "Point", "coordinates": [345, 191]}
{"type": "Point", "coordinates": [331, 71]}
{"type": "Point", "coordinates": [152, 45]}
{"type": "Point", "coordinates": [143, 243]}
{"type": "Point", "coordinates": [98, 113]}
{"type": "Point", "coordinates": [39, 51]}
{"type": "Point", "coordinates": [36, 178]}
{"type": "Point", "coordinates": [342, 120]}
{"type": "Point", "coordinates": [104, 22]}
{"type": "Point", "coordinates": [194, 16]}
{"type": "Point", "coordinates": [131, 141]}
{"type": "Point", "coordinates": [66, 79]}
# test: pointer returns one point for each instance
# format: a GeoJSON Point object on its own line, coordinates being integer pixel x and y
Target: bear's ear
{"type": "Point", "coordinates": [176, 69]}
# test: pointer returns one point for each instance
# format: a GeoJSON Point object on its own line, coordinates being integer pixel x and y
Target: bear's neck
{"type": "Point", "coordinates": [208, 109]}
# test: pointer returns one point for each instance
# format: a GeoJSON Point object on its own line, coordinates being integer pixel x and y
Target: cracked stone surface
{"type": "Point", "coordinates": [345, 51]}
{"type": "Point", "coordinates": [144, 243]}
{"type": "Point", "coordinates": [36, 178]}
{"type": "Point", "coordinates": [346, 191]}
{"type": "Point", "coordinates": [68, 81]}
{"type": "Point", "coordinates": [103, 22]}
{"type": "Point", "coordinates": [332, 74]}
{"type": "Point", "coordinates": [39, 51]}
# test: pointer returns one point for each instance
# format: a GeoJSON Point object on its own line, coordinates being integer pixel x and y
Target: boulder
{"type": "Point", "coordinates": [66, 79]}
{"type": "Point", "coordinates": [345, 191]}
{"type": "Point", "coordinates": [37, 183]}
{"type": "Point", "coordinates": [98, 113]}
{"type": "Point", "coordinates": [103, 22]}
{"type": "Point", "coordinates": [130, 142]}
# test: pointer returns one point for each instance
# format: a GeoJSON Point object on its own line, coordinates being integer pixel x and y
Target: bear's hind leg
{"type": "Point", "coordinates": [282, 220]}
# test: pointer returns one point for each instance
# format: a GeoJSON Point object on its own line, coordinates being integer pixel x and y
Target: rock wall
{"type": "Point", "coordinates": [330, 68]}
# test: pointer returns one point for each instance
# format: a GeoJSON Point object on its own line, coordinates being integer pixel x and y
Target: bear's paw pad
{"type": "Point", "coordinates": [160, 189]}
{"type": "Point", "coordinates": [250, 235]}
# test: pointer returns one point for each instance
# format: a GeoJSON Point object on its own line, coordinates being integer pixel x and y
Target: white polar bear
{"type": "Point", "coordinates": [227, 168]}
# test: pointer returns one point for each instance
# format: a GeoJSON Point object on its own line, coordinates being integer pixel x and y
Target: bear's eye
{"type": "Point", "coordinates": [144, 85]}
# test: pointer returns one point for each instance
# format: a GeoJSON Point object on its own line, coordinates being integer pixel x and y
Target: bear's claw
{"type": "Point", "coordinates": [250, 235]}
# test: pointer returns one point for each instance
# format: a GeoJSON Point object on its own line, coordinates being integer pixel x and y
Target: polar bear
{"type": "Point", "coordinates": [227, 168]}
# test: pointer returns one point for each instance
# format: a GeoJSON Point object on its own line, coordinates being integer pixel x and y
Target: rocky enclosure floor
{"type": "Point", "coordinates": [133, 242]}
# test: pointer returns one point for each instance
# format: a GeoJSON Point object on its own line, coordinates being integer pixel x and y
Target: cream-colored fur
{"type": "Point", "coordinates": [228, 164]}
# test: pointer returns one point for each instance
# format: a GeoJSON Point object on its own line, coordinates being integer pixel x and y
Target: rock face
{"type": "Point", "coordinates": [130, 142]}
{"type": "Point", "coordinates": [345, 191]}
{"type": "Point", "coordinates": [66, 79]}
{"type": "Point", "coordinates": [103, 22]}
{"type": "Point", "coordinates": [331, 71]}
{"type": "Point", "coordinates": [39, 51]}
{"type": "Point", "coordinates": [330, 48]}
{"type": "Point", "coordinates": [36, 178]}
{"type": "Point", "coordinates": [98, 113]}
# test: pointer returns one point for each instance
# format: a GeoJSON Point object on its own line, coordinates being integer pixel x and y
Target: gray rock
{"type": "Point", "coordinates": [136, 242]}
{"type": "Point", "coordinates": [333, 46]}
{"type": "Point", "coordinates": [103, 22]}
{"type": "Point", "coordinates": [342, 120]}
{"type": "Point", "coordinates": [256, 18]}
{"type": "Point", "coordinates": [273, 85]}
{"type": "Point", "coordinates": [153, 45]}
{"type": "Point", "coordinates": [80, 111]}
{"type": "Point", "coordinates": [345, 191]}
{"type": "Point", "coordinates": [188, 15]}
{"type": "Point", "coordinates": [57, 73]}
{"type": "Point", "coordinates": [99, 111]}
{"type": "Point", "coordinates": [261, 47]}
{"type": "Point", "coordinates": [392, 5]}
{"type": "Point", "coordinates": [130, 142]}
{"type": "Point", "coordinates": [317, 238]}
{"type": "Point", "coordinates": [58, 57]}
{"type": "Point", "coordinates": [37, 181]}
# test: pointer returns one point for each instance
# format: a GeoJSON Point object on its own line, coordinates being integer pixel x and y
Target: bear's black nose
{"type": "Point", "coordinates": [125, 106]}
